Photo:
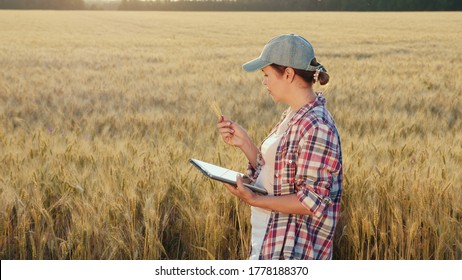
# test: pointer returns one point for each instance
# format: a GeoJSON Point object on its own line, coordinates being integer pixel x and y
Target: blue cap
{"type": "Point", "coordinates": [288, 50]}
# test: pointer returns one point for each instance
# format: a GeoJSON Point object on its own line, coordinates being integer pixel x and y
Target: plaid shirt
{"type": "Point", "coordinates": [308, 163]}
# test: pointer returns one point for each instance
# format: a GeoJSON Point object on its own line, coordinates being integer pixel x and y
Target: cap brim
{"type": "Point", "coordinates": [255, 65]}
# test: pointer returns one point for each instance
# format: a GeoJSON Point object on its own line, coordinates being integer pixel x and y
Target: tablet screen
{"type": "Point", "coordinates": [217, 171]}
{"type": "Point", "coordinates": [224, 175]}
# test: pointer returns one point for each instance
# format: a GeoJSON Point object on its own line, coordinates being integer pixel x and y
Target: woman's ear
{"type": "Point", "coordinates": [289, 74]}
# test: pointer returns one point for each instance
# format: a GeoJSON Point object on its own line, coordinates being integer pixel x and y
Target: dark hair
{"type": "Point", "coordinates": [307, 76]}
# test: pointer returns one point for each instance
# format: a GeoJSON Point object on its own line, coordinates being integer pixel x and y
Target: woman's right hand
{"type": "Point", "coordinates": [232, 133]}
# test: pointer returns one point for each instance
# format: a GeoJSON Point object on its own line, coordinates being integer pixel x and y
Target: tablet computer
{"type": "Point", "coordinates": [223, 175]}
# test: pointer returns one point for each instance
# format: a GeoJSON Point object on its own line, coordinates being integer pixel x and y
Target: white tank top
{"type": "Point", "coordinates": [259, 216]}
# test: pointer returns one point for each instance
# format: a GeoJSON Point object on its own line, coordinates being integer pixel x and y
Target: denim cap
{"type": "Point", "coordinates": [288, 50]}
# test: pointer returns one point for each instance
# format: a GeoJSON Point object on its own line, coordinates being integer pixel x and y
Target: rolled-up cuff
{"type": "Point", "coordinates": [313, 202]}
{"type": "Point", "coordinates": [251, 172]}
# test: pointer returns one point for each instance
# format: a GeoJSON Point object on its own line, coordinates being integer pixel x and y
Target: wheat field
{"type": "Point", "coordinates": [101, 111]}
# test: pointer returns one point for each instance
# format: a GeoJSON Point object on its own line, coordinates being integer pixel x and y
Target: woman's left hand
{"type": "Point", "coordinates": [242, 192]}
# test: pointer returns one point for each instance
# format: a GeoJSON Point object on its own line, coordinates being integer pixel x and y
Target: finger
{"type": "Point", "coordinates": [236, 127]}
{"type": "Point", "coordinates": [246, 179]}
{"type": "Point", "coordinates": [239, 181]}
{"type": "Point", "coordinates": [240, 186]}
{"type": "Point", "coordinates": [231, 189]}
{"type": "Point", "coordinates": [224, 124]}
{"type": "Point", "coordinates": [226, 131]}
{"type": "Point", "coordinates": [226, 136]}
{"type": "Point", "coordinates": [221, 121]}
{"type": "Point", "coordinates": [225, 118]}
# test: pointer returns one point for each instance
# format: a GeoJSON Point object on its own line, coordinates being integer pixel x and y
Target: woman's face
{"type": "Point", "coordinates": [274, 82]}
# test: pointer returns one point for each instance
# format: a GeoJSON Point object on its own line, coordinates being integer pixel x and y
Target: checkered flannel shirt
{"type": "Point", "coordinates": [309, 164]}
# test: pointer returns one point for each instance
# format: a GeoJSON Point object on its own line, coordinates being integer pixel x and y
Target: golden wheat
{"type": "Point", "coordinates": [102, 110]}
{"type": "Point", "coordinates": [216, 109]}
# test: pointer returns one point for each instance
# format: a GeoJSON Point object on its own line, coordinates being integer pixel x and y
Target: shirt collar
{"type": "Point", "coordinates": [319, 101]}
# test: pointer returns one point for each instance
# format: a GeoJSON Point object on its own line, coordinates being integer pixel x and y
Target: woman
{"type": "Point", "coordinates": [299, 163]}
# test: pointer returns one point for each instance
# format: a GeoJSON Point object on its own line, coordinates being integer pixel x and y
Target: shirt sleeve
{"type": "Point", "coordinates": [252, 172]}
{"type": "Point", "coordinates": [317, 162]}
